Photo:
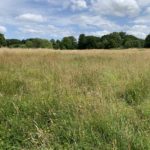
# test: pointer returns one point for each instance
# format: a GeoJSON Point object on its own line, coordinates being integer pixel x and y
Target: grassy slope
{"type": "Point", "coordinates": [75, 100]}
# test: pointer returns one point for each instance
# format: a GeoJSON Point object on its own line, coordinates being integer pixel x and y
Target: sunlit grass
{"type": "Point", "coordinates": [74, 99]}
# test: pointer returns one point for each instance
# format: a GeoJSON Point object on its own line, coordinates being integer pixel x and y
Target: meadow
{"type": "Point", "coordinates": [74, 100]}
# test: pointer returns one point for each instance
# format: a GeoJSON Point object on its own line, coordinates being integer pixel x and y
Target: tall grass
{"type": "Point", "coordinates": [75, 100]}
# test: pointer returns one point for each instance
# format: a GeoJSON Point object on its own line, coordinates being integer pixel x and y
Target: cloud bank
{"type": "Point", "coordinates": [55, 19]}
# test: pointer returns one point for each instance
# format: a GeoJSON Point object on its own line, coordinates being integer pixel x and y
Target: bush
{"type": "Point", "coordinates": [137, 91]}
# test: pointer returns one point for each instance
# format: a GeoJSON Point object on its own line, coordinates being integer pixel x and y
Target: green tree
{"type": "Point", "coordinates": [29, 44]}
{"type": "Point", "coordinates": [58, 44]}
{"type": "Point", "coordinates": [133, 44]}
{"type": "Point", "coordinates": [82, 41]}
{"type": "Point", "coordinates": [113, 40]}
{"type": "Point", "coordinates": [69, 43]}
{"type": "Point", "coordinates": [2, 40]}
{"type": "Point", "coordinates": [91, 42]}
{"type": "Point", "coordinates": [131, 41]}
{"type": "Point", "coordinates": [53, 43]}
{"type": "Point", "coordinates": [147, 41]}
{"type": "Point", "coordinates": [13, 43]}
{"type": "Point", "coordinates": [38, 43]}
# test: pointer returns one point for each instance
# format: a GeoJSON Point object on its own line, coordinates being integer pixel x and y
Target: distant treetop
{"type": "Point", "coordinates": [115, 40]}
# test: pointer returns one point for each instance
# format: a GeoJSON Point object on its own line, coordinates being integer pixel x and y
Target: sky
{"type": "Point", "coordinates": [58, 18]}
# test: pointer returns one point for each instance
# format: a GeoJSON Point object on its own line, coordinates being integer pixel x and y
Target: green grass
{"type": "Point", "coordinates": [74, 100]}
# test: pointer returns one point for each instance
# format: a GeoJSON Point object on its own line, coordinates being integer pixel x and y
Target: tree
{"type": "Point", "coordinates": [2, 40]}
{"type": "Point", "coordinates": [69, 43]}
{"type": "Point", "coordinates": [38, 43]}
{"type": "Point", "coordinates": [13, 43]}
{"type": "Point", "coordinates": [82, 42]}
{"type": "Point", "coordinates": [91, 42]}
{"type": "Point", "coordinates": [133, 44]}
{"type": "Point", "coordinates": [147, 42]}
{"type": "Point", "coordinates": [29, 44]}
{"type": "Point", "coordinates": [109, 41]}
{"type": "Point", "coordinates": [53, 43]}
{"type": "Point", "coordinates": [122, 35]}
{"type": "Point", "coordinates": [113, 40]}
{"type": "Point", "coordinates": [58, 44]}
{"type": "Point", "coordinates": [131, 41]}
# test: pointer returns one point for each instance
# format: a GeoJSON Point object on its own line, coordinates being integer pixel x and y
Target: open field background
{"type": "Point", "coordinates": [74, 99]}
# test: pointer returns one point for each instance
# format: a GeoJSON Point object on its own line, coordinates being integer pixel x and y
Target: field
{"type": "Point", "coordinates": [74, 100]}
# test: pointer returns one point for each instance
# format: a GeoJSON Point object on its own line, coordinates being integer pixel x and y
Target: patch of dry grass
{"type": "Point", "coordinates": [94, 99]}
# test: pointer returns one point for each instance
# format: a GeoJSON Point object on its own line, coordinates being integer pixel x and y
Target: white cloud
{"type": "Point", "coordinates": [88, 21]}
{"type": "Point", "coordinates": [98, 33]}
{"type": "Point", "coordinates": [144, 19]}
{"type": "Point", "coordinates": [116, 7]}
{"type": "Point", "coordinates": [147, 11]}
{"type": "Point", "coordinates": [44, 30]}
{"type": "Point", "coordinates": [143, 3]}
{"type": "Point", "coordinates": [30, 30]}
{"type": "Point", "coordinates": [140, 31]}
{"type": "Point", "coordinates": [60, 18]}
{"type": "Point", "coordinates": [62, 4]}
{"type": "Point", "coordinates": [78, 4]}
{"type": "Point", "coordinates": [3, 29]}
{"type": "Point", "coordinates": [31, 17]}
{"type": "Point", "coordinates": [74, 5]}
{"type": "Point", "coordinates": [60, 31]}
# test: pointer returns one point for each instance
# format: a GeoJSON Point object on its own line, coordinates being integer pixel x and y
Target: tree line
{"type": "Point", "coordinates": [115, 40]}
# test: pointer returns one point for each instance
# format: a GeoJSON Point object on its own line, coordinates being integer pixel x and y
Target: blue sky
{"type": "Point", "coordinates": [58, 18]}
